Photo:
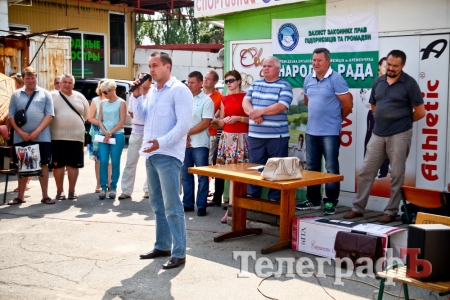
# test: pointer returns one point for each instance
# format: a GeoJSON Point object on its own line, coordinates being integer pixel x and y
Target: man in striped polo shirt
{"type": "Point", "coordinates": [266, 103]}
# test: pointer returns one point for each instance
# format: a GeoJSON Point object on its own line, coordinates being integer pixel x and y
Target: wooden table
{"type": "Point", "coordinates": [285, 208]}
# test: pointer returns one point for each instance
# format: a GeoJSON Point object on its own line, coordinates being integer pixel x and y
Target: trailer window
{"type": "Point", "coordinates": [117, 38]}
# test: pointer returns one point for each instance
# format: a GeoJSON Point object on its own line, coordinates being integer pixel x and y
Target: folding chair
{"type": "Point", "coordinates": [423, 198]}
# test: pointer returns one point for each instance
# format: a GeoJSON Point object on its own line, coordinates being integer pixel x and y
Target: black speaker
{"type": "Point", "coordinates": [433, 240]}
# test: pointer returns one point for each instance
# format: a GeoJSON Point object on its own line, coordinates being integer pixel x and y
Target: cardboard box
{"type": "Point", "coordinates": [423, 218]}
{"type": "Point", "coordinates": [315, 235]}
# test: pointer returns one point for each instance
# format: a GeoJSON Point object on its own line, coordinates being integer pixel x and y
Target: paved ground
{"type": "Point", "coordinates": [89, 249]}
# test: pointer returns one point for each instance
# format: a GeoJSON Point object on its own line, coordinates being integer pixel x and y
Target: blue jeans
{"type": "Point", "coordinates": [328, 147]}
{"type": "Point", "coordinates": [199, 158]}
{"type": "Point", "coordinates": [104, 150]}
{"type": "Point", "coordinates": [163, 177]}
{"type": "Point", "coordinates": [259, 152]}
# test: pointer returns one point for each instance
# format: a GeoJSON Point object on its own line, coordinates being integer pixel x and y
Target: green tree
{"type": "Point", "coordinates": [176, 29]}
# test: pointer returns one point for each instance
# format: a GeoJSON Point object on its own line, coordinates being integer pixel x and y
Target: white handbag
{"type": "Point", "coordinates": [282, 168]}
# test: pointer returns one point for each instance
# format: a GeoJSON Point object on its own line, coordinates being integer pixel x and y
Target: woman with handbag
{"type": "Point", "coordinates": [67, 132]}
{"type": "Point", "coordinates": [233, 144]}
{"type": "Point", "coordinates": [112, 116]}
{"type": "Point", "coordinates": [92, 148]}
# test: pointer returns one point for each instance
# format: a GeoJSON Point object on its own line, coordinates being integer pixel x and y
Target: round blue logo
{"type": "Point", "coordinates": [288, 37]}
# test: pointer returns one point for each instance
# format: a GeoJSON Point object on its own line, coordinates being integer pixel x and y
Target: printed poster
{"type": "Point", "coordinates": [353, 43]}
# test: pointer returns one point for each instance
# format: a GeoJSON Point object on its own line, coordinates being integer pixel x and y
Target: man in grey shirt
{"type": "Point", "coordinates": [396, 103]}
{"type": "Point", "coordinates": [35, 131]}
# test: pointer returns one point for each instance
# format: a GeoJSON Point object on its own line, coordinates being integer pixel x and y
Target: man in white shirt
{"type": "Point", "coordinates": [197, 147]}
{"type": "Point", "coordinates": [167, 116]}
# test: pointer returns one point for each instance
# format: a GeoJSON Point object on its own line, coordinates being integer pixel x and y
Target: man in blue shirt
{"type": "Point", "coordinates": [329, 102]}
{"type": "Point", "coordinates": [167, 116]}
{"type": "Point", "coordinates": [266, 103]}
{"type": "Point", "coordinates": [36, 130]}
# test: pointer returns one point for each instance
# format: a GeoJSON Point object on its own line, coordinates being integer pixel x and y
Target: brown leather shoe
{"type": "Point", "coordinates": [352, 214]}
{"type": "Point", "coordinates": [386, 218]}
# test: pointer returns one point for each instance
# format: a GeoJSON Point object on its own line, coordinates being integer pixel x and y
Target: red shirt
{"type": "Point", "coordinates": [216, 97]}
{"type": "Point", "coordinates": [233, 107]}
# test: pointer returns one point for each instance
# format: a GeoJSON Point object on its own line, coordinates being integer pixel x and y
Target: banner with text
{"type": "Point", "coordinates": [351, 39]}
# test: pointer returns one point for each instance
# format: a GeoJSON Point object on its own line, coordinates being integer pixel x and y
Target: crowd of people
{"type": "Point", "coordinates": [177, 126]}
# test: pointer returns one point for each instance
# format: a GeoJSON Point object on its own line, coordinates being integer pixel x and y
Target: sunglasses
{"type": "Point", "coordinates": [105, 92]}
{"type": "Point", "coordinates": [56, 82]}
{"type": "Point", "coordinates": [230, 80]}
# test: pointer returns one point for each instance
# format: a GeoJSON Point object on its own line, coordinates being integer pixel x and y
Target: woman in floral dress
{"type": "Point", "coordinates": [233, 144]}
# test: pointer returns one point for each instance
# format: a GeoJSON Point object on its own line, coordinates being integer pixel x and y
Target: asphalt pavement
{"type": "Point", "coordinates": [89, 249]}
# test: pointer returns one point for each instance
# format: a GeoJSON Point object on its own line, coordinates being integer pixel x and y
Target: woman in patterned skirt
{"type": "Point", "coordinates": [233, 144]}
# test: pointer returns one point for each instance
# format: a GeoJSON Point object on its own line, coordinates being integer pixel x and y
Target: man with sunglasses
{"type": "Point", "coordinates": [266, 103]}
{"type": "Point", "coordinates": [56, 84]}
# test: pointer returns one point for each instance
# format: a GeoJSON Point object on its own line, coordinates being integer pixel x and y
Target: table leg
{"type": "Point", "coordinates": [239, 217]}
{"type": "Point", "coordinates": [287, 213]}
{"type": "Point", "coordinates": [238, 233]}
{"type": "Point", "coordinates": [405, 291]}
{"type": "Point", "coordinates": [381, 289]}
{"type": "Point", "coordinates": [6, 187]}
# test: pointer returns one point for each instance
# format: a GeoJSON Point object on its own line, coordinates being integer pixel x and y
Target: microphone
{"type": "Point", "coordinates": [143, 79]}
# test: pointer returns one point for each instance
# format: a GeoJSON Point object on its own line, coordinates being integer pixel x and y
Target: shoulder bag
{"type": "Point", "coordinates": [20, 117]}
{"type": "Point", "coordinates": [282, 168]}
{"type": "Point", "coordinates": [87, 136]}
{"type": "Point", "coordinates": [353, 246]}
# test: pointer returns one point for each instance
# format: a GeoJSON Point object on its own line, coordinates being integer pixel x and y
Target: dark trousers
{"type": "Point", "coordinates": [260, 151]}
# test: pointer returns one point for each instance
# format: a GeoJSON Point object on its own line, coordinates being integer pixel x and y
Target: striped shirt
{"type": "Point", "coordinates": [263, 94]}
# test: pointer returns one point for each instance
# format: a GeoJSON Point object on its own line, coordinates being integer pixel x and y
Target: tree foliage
{"type": "Point", "coordinates": [164, 29]}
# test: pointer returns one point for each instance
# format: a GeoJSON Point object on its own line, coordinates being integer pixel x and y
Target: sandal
{"type": "Point", "coordinates": [60, 196]}
{"type": "Point", "coordinates": [98, 190]}
{"type": "Point", "coordinates": [16, 201]}
{"type": "Point", "coordinates": [72, 196]}
{"type": "Point", "coordinates": [48, 200]}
